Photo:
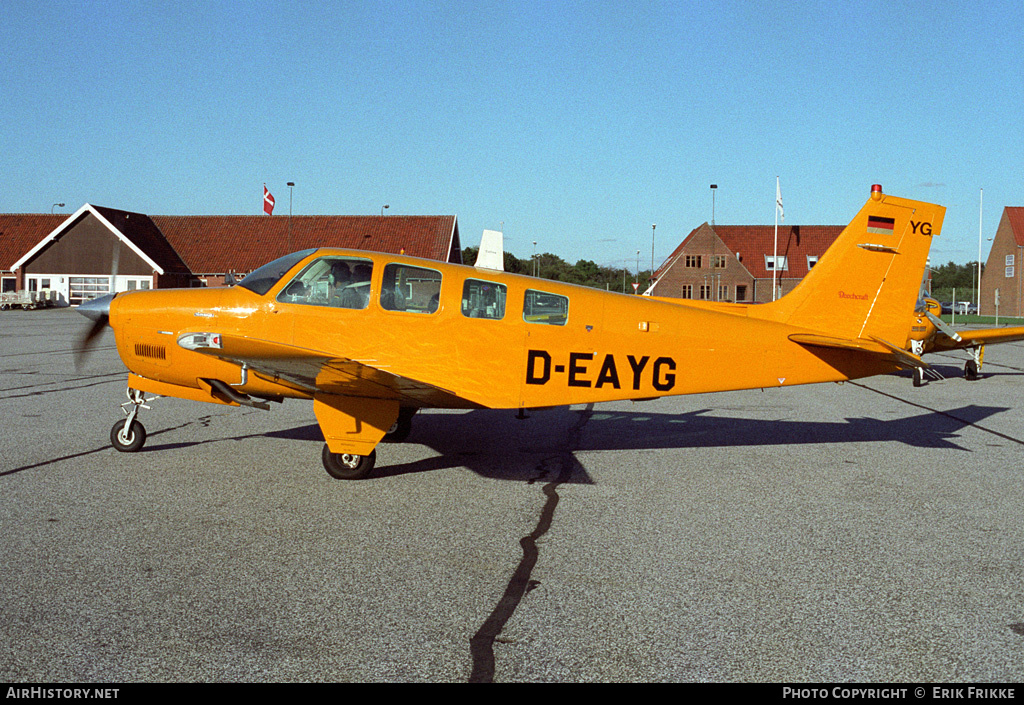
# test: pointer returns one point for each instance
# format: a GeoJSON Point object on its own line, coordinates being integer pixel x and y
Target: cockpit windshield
{"type": "Point", "coordinates": [262, 279]}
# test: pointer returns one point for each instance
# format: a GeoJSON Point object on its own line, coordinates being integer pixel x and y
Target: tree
{"type": "Point", "coordinates": [584, 272]}
{"type": "Point", "coordinates": [962, 277]}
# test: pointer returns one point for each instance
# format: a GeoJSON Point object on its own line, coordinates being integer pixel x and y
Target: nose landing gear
{"type": "Point", "coordinates": [129, 435]}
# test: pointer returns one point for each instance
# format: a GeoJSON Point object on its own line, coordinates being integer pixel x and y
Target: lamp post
{"type": "Point", "coordinates": [653, 226]}
{"type": "Point", "coordinates": [55, 205]}
{"type": "Point", "coordinates": [383, 207]}
{"type": "Point", "coordinates": [714, 187]}
{"type": "Point", "coordinates": [291, 191]}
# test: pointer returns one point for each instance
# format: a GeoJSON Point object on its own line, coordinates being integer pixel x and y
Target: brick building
{"type": "Point", "coordinates": [1003, 267]}
{"type": "Point", "coordinates": [74, 255]}
{"type": "Point", "coordinates": [736, 262]}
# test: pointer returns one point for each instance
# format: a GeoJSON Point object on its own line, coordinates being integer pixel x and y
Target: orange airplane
{"type": "Point", "coordinates": [371, 338]}
{"type": "Point", "coordinates": [929, 334]}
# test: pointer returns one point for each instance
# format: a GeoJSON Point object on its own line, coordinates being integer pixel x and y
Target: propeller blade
{"type": "Point", "coordinates": [98, 311]}
{"type": "Point", "coordinates": [943, 326]}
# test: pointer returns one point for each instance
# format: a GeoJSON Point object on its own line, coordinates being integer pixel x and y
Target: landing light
{"type": "Point", "coordinates": [195, 341]}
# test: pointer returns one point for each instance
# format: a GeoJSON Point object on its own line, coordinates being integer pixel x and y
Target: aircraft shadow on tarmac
{"type": "Point", "coordinates": [542, 447]}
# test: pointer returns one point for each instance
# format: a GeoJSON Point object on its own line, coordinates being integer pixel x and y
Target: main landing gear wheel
{"type": "Point", "coordinates": [345, 466]}
{"type": "Point", "coordinates": [127, 436]}
{"type": "Point", "coordinates": [918, 377]}
{"type": "Point", "coordinates": [402, 427]}
{"type": "Point", "coordinates": [971, 370]}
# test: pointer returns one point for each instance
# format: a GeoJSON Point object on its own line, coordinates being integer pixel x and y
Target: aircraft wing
{"type": "Point", "coordinates": [317, 371]}
{"type": "Point", "coordinates": [974, 338]}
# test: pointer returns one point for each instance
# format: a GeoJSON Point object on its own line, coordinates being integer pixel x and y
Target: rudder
{"type": "Point", "coordinates": [866, 284]}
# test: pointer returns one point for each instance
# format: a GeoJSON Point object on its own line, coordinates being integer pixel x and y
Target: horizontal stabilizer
{"type": "Point", "coordinates": [872, 346]}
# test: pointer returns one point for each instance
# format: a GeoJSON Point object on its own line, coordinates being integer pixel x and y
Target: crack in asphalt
{"type": "Point", "coordinates": [481, 645]}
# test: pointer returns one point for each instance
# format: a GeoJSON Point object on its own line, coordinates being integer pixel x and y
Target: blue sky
{"type": "Point", "coordinates": [575, 125]}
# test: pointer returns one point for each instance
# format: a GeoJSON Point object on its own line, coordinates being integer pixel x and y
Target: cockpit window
{"type": "Point", "coordinates": [342, 282]}
{"type": "Point", "coordinates": [542, 307]}
{"type": "Point", "coordinates": [261, 280]}
{"type": "Point", "coordinates": [411, 289]}
{"type": "Point", "coordinates": [483, 299]}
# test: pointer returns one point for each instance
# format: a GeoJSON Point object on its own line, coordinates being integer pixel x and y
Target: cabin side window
{"type": "Point", "coordinates": [410, 289]}
{"type": "Point", "coordinates": [483, 299]}
{"type": "Point", "coordinates": [543, 307]}
{"type": "Point", "coordinates": [341, 282]}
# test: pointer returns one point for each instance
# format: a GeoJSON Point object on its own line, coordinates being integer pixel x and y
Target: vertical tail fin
{"type": "Point", "coordinates": [866, 284]}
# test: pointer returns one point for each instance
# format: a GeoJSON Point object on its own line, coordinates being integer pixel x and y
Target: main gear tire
{"type": "Point", "coordinates": [346, 466]}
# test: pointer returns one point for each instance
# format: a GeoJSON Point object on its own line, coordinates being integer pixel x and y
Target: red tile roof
{"type": "Point", "coordinates": [206, 244]}
{"type": "Point", "coordinates": [1015, 214]}
{"type": "Point", "coordinates": [240, 243]}
{"type": "Point", "coordinates": [20, 232]}
{"type": "Point", "coordinates": [753, 242]}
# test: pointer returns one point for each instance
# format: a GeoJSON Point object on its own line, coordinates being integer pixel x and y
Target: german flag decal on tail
{"type": "Point", "coordinates": [879, 225]}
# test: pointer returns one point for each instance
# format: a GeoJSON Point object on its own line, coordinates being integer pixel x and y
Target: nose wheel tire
{"type": "Point", "coordinates": [345, 466]}
{"type": "Point", "coordinates": [127, 437]}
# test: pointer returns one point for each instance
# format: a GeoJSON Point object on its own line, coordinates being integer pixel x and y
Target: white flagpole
{"type": "Point", "coordinates": [981, 211]}
{"type": "Point", "coordinates": [775, 251]}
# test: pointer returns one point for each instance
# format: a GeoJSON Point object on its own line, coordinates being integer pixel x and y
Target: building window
{"type": "Point", "coordinates": [723, 292]}
{"type": "Point", "coordinates": [82, 289]}
{"type": "Point", "coordinates": [811, 261]}
{"type": "Point", "coordinates": [705, 292]}
{"type": "Point", "coordinates": [718, 261]}
{"type": "Point", "coordinates": [741, 292]}
{"type": "Point", "coordinates": [1009, 260]}
{"type": "Point", "coordinates": [779, 263]}
{"type": "Point", "coordinates": [1009, 272]}
{"type": "Point", "coordinates": [693, 261]}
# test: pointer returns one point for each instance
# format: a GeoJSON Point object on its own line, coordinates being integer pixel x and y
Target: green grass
{"type": "Point", "coordinates": [972, 320]}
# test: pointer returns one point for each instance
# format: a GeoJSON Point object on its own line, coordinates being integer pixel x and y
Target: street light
{"type": "Point", "coordinates": [383, 207]}
{"type": "Point", "coordinates": [291, 187]}
{"type": "Point", "coordinates": [653, 226]}
{"type": "Point", "coordinates": [55, 205]}
{"type": "Point", "coordinates": [714, 187]}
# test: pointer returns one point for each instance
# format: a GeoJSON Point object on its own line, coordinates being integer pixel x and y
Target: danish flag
{"type": "Point", "coordinates": [268, 201]}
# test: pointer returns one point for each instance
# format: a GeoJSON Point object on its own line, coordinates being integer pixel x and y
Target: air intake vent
{"type": "Point", "coordinates": [157, 352]}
